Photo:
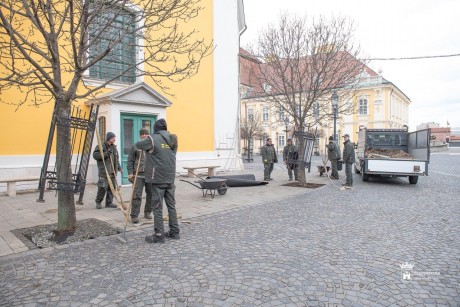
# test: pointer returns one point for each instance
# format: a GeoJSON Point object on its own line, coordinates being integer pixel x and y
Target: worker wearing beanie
{"type": "Point", "coordinates": [111, 162]}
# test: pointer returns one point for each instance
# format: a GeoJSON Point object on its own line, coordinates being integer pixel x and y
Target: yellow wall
{"type": "Point", "coordinates": [24, 130]}
{"type": "Point", "coordinates": [191, 116]}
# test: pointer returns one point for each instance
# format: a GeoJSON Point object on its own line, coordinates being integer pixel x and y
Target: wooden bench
{"type": "Point", "coordinates": [191, 170]}
{"type": "Point", "coordinates": [11, 184]}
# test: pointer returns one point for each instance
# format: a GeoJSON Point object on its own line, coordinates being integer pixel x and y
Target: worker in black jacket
{"type": "Point", "coordinates": [160, 171]}
{"type": "Point", "coordinates": [136, 162]}
{"type": "Point", "coordinates": [109, 160]}
{"type": "Point", "coordinates": [348, 159]}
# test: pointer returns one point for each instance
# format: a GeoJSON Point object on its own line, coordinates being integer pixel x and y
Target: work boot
{"type": "Point", "coordinates": [172, 235]}
{"type": "Point", "coordinates": [134, 219]}
{"type": "Point", "coordinates": [148, 215]}
{"type": "Point", "coordinates": [98, 206]}
{"type": "Point", "coordinates": [290, 179]}
{"type": "Point", "coordinates": [155, 239]}
{"type": "Point", "coordinates": [111, 205]}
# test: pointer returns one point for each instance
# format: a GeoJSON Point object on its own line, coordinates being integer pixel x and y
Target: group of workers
{"type": "Point", "coordinates": [291, 158]}
{"type": "Point", "coordinates": [151, 166]}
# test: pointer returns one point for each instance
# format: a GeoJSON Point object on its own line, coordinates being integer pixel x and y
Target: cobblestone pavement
{"type": "Point", "coordinates": [327, 247]}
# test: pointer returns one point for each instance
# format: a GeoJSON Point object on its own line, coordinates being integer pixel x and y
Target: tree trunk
{"type": "Point", "coordinates": [301, 169]}
{"type": "Point", "coordinates": [66, 203]}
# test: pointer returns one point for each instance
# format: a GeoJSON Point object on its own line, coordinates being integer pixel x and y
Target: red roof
{"type": "Point", "coordinates": [254, 72]}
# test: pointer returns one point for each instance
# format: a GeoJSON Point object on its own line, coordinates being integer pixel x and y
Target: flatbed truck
{"type": "Point", "coordinates": [416, 144]}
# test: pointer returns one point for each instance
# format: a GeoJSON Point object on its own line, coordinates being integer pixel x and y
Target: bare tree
{"type": "Point", "coordinates": [251, 127]}
{"type": "Point", "coordinates": [47, 47]}
{"type": "Point", "coordinates": [303, 64]}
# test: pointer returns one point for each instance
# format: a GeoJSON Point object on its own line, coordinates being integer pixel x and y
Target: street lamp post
{"type": "Point", "coordinates": [335, 104]}
{"type": "Point", "coordinates": [286, 122]}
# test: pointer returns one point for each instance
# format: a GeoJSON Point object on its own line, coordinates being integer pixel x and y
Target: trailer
{"type": "Point", "coordinates": [393, 153]}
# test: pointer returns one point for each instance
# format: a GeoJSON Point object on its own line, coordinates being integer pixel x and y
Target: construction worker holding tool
{"type": "Point", "coordinates": [107, 164]}
{"type": "Point", "coordinates": [160, 171]}
{"type": "Point", "coordinates": [135, 157]}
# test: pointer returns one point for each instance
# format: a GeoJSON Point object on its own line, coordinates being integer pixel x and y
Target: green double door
{"type": "Point", "coordinates": [130, 126]}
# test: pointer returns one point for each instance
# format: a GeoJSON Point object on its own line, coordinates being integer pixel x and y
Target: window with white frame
{"type": "Point", "coordinates": [281, 141]}
{"type": "Point", "coordinates": [251, 114]}
{"type": "Point", "coordinates": [281, 114]}
{"type": "Point", "coordinates": [363, 106]}
{"type": "Point", "coordinates": [120, 63]}
{"type": "Point", "coordinates": [265, 114]}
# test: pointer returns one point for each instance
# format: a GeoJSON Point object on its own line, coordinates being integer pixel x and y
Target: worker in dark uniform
{"type": "Point", "coordinates": [290, 156]}
{"type": "Point", "coordinates": [160, 171]}
{"type": "Point", "coordinates": [109, 160]}
{"type": "Point", "coordinates": [333, 154]}
{"type": "Point", "coordinates": [348, 159]}
{"type": "Point", "coordinates": [269, 157]}
{"type": "Point", "coordinates": [135, 154]}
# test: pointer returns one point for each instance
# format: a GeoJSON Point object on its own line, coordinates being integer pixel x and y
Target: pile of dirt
{"type": "Point", "coordinates": [379, 153]}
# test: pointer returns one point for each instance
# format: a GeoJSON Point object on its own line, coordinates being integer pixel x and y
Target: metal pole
{"type": "Point", "coordinates": [286, 133]}
{"type": "Point", "coordinates": [335, 123]}
{"type": "Point", "coordinates": [277, 141]}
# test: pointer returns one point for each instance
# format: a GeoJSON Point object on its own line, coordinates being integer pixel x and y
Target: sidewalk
{"type": "Point", "coordinates": [23, 211]}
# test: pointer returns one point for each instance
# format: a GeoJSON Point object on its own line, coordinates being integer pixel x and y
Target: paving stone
{"type": "Point", "coordinates": [324, 247]}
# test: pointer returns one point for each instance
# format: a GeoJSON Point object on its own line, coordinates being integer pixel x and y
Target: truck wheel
{"type": "Point", "coordinates": [357, 171]}
{"type": "Point", "coordinates": [413, 179]}
{"type": "Point", "coordinates": [365, 177]}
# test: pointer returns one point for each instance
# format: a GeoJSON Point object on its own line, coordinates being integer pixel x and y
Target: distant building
{"type": "Point", "coordinates": [427, 125]}
{"type": "Point", "coordinates": [455, 131]}
{"type": "Point", "coordinates": [377, 103]}
{"type": "Point", "coordinates": [440, 134]}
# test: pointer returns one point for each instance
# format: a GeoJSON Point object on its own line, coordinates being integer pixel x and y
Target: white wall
{"type": "Point", "coordinates": [226, 81]}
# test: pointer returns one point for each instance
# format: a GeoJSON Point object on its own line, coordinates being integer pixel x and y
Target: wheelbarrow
{"type": "Point", "coordinates": [210, 186]}
{"type": "Point", "coordinates": [323, 169]}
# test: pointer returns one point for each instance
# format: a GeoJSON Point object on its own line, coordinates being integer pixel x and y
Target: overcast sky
{"type": "Point", "coordinates": [391, 29]}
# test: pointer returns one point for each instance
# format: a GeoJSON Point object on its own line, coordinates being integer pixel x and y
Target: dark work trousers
{"type": "Point", "coordinates": [349, 174]}
{"type": "Point", "coordinates": [137, 197]}
{"type": "Point", "coordinates": [268, 168]}
{"type": "Point", "coordinates": [103, 189]}
{"type": "Point", "coordinates": [334, 172]}
{"type": "Point", "coordinates": [159, 192]}
{"type": "Point", "coordinates": [292, 168]}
